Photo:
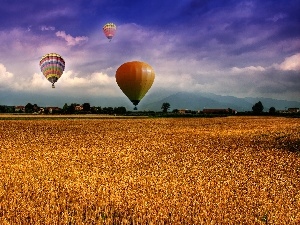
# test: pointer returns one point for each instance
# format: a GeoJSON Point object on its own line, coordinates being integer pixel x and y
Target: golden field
{"type": "Point", "coordinates": [233, 170]}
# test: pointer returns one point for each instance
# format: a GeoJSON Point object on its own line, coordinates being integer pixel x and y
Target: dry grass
{"type": "Point", "coordinates": [150, 171]}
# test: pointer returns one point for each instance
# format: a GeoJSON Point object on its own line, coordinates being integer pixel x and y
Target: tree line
{"type": "Point", "coordinates": [73, 108]}
{"type": "Point", "coordinates": [86, 108]}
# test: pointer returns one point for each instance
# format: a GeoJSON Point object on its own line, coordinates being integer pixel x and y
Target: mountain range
{"type": "Point", "coordinates": [154, 100]}
{"type": "Point", "coordinates": [192, 101]}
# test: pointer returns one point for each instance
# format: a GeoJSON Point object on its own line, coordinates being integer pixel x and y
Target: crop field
{"type": "Point", "coordinates": [231, 170]}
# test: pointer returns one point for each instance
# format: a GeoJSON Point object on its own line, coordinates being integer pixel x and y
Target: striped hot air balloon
{"type": "Point", "coordinates": [52, 66]}
{"type": "Point", "coordinates": [109, 30]}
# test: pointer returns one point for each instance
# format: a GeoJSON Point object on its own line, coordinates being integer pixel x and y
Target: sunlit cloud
{"type": "Point", "coordinates": [290, 63]}
{"type": "Point", "coordinates": [248, 69]}
{"type": "Point", "coordinates": [71, 41]}
{"type": "Point", "coordinates": [6, 77]}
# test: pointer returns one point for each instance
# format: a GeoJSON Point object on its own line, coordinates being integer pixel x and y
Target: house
{"type": "Point", "coordinates": [52, 109]}
{"type": "Point", "coordinates": [78, 107]}
{"type": "Point", "coordinates": [19, 108]}
{"type": "Point", "coordinates": [293, 110]}
{"type": "Point", "coordinates": [184, 111]}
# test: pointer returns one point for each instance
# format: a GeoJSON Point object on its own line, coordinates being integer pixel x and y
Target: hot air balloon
{"type": "Point", "coordinates": [109, 30]}
{"type": "Point", "coordinates": [135, 79]}
{"type": "Point", "coordinates": [52, 66]}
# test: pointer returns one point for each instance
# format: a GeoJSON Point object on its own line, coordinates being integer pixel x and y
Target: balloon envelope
{"type": "Point", "coordinates": [52, 66]}
{"type": "Point", "coordinates": [109, 30]}
{"type": "Point", "coordinates": [135, 79]}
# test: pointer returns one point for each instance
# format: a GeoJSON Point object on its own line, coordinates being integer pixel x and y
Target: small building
{"type": "Point", "coordinates": [19, 108]}
{"type": "Point", "coordinates": [78, 108]}
{"type": "Point", "coordinates": [52, 109]}
{"type": "Point", "coordinates": [184, 111]}
{"type": "Point", "coordinates": [293, 110]}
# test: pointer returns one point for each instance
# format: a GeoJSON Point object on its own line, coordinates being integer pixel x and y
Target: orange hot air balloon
{"type": "Point", "coordinates": [135, 79]}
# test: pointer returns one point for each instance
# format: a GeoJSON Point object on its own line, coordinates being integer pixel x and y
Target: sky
{"type": "Point", "coordinates": [246, 48]}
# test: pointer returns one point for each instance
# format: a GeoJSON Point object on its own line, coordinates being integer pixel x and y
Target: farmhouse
{"type": "Point", "coordinates": [52, 109]}
{"type": "Point", "coordinates": [78, 107]}
{"type": "Point", "coordinates": [293, 110]}
{"type": "Point", "coordinates": [184, 111]}
{"type": "Point", "coordinates": [19, 108]}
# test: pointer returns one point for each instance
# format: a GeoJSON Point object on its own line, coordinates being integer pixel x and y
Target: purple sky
{"type": "Point", "coordinates": [238, 48]}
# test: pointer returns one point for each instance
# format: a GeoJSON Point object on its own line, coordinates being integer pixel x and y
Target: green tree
{"type": "Point", "coordinates": [108, 110]}
{"type": "Point", "coordinates": [2, 109]}
{"type": "Point", "coordinates": [29, 108]}
{"type": "Point", "coordinates": [71, 108]}
{"type": "Point", "coordinates": [86, 107]}
{"type": "Point", "coordinates": [165, 106]}
{"type": "Point", "coordinates": [258, 107]}
{"type": "Point", "coordinates": [175, 111]}
{"type": "Point", "coordinates": [120, 110]}
{"type": "Point", "coordinates": [272, 110]}
{"type": "Point", "coordinates": [96, 110]}
{"type": "Point", "coordinates": [65, 108]}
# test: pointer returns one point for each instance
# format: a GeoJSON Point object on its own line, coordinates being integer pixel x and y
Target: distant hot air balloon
{"type": "Point", "coordinates": [52, 66]}
{"type": "Point", "coordinates": [109, 30]}
{"type": "Point", "coordinates": [135, 79]}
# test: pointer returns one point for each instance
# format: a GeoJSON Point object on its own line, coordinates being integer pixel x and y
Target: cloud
{"type": "Point", "coordinates": [290, 63]}
{"type": "Point", "coordinates": [277, 17]}
{"type": "Point", "coordinates": [5, 77]}
{"type": "Point", "coordinates": [46, 28]}
{"type": "Point", "coordinates": [94, 84]}
{"type": "Point", "coordinates": [71, 41]}
{"type": "Point", "coordinates": [248, 69]}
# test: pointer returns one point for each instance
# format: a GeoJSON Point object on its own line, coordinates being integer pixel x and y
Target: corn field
{"type": "Point", "coordinates": [232, 170]}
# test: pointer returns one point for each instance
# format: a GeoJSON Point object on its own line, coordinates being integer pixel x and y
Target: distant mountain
{"type": "Point", "coordinates": [185, 100]}
{"type": "Point", "coordinates": [152, 101]}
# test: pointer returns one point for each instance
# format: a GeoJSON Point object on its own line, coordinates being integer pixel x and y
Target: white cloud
{"type": "Point", "coordinates": [39, 82]}
{"type": "Point", "coordinates": [5, 77]}
{"type": "Point", "coordinates": [71, 41]}
{"type": "Point", "coordinates": [69, 78]}
{"type": "Point", "coordinates": [95, 84]}
{"type": "Point", "coordinates": [290, 63]}
{"type": "Point", "coordinates": [46, 28]}
{"type": "Point", "coordinates": [248, 69]}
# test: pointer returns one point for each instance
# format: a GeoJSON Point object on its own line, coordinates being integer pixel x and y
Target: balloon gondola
{"type": "Point", "coordinates": [52, 66]}
{"type": "Point", "coordinates": [135, 79]}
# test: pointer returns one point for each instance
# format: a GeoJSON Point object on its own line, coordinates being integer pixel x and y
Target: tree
{"type": "Point", "coordinates": [29, 108]}
{"type": "Point", "coordinates": [108, 110]}
{"type": "Point", "coordinates": [165, 106]}
{"type": "Point", "coordinates": [272, 110]}
{"type": "Point", "coordinates": [258, 107]}
{"type": "Point", "coordinates": [36, 108]}
{"type": "Point", "coordinates": [2, 109]}
{"type": "Point", "coordinates": [175, 111]}
{"type": "Point", "coordinates": [86, 107]}
{"type": "Point", "coordinates": [71, 108]}
{"type": "Point", "coordinates": [65, 108]}
{"type": "Point", "coordinates": [120, 110]}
